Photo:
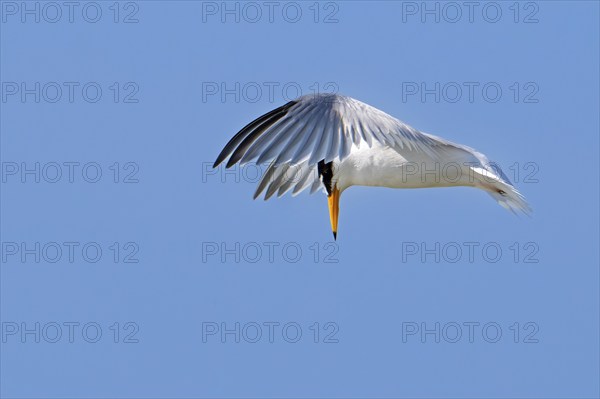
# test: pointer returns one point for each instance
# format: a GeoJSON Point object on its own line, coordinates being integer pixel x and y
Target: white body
{"type": "Point", "coordinates": [382, 166]}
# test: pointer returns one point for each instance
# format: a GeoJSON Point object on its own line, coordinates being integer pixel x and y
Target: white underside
{"type": "Point", "coordinates": [383, 166]}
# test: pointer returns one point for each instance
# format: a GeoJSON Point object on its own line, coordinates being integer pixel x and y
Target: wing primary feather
{"type": "Point", "coordinates": [301, 185]}
{"type": "Point", "coordinates": [255, 148]}
{"type": "Point", "coordinates": [320, 149]}
{"type": "Point", "coordinates": [274, 142]}
{"type": "Point", "coordinates": [300, 137]}
{"type": "Point", "coordinates": [292, 179]}
{"type": "Point", "coordinates": [273, 133]}
{"type": "Point", "coordinates": [265, 180]}
{"type": "Point", "coordinates": [240, 151]}
{"type": "Point", "coordinates": [336, 138]}
{"type": "Point", "coordinates": [277, 179]}
{"type": "Point", "coordinates": [315, 185]}
{"type": "Point", "coordinates": [351, 131]}
{"type": "Point", "coordinates": [312, 136]}
{"type": "Point", "coordinates": [347, 145]}
{"type": "Point", "coordinates": [248, 129]}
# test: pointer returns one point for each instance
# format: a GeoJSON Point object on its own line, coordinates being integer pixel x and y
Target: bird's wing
{"type": "Point", "coordinates": [320, 127]}
{"type": "Point", "coordinates": [279, 179]}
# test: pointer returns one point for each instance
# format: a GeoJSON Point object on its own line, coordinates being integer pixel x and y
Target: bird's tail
{"type": "Point", "coordinates": [494, 181]}
{"type": "Point", "coordinates": [486, 175]}
{"type": "Point", "coordinates": [510, 198]}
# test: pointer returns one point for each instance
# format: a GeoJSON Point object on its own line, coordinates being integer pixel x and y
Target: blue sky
{"type": "Point", "coordinates": [144, 273]}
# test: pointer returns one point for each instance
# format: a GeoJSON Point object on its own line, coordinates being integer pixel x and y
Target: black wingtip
{"type": "Point", "coordinates": [239, 144]}
{"type": "Point", "coordinates": [220, 159]}
{"type": "Point", "coordinates": [230, 163]}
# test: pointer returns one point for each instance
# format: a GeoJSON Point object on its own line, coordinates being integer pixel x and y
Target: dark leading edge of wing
{"type": "Point", "coordinates": [240, 143]}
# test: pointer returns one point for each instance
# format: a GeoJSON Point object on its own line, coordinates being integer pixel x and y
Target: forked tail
{"type": "Point", "coordinates": [491, 179]}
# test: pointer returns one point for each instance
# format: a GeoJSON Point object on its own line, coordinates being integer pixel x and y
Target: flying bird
{"type": "Point", "coordinates": [333, 142]}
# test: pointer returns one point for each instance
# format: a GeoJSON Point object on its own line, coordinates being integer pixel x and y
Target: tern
{"type": "Point", "coordinates": [333, 142]}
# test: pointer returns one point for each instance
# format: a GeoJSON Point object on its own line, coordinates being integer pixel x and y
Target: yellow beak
{"type": "Point", "coordinates": [334, 210]}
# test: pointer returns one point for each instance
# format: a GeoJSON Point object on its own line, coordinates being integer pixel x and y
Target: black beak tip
{"type": "Point", "coordinates": [335, 235]}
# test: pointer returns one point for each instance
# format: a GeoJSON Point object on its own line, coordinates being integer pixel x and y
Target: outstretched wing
{"type": "Point", "coordinates": [317, 128]}
{"type": "Point", "coordinates": [279, 179]}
